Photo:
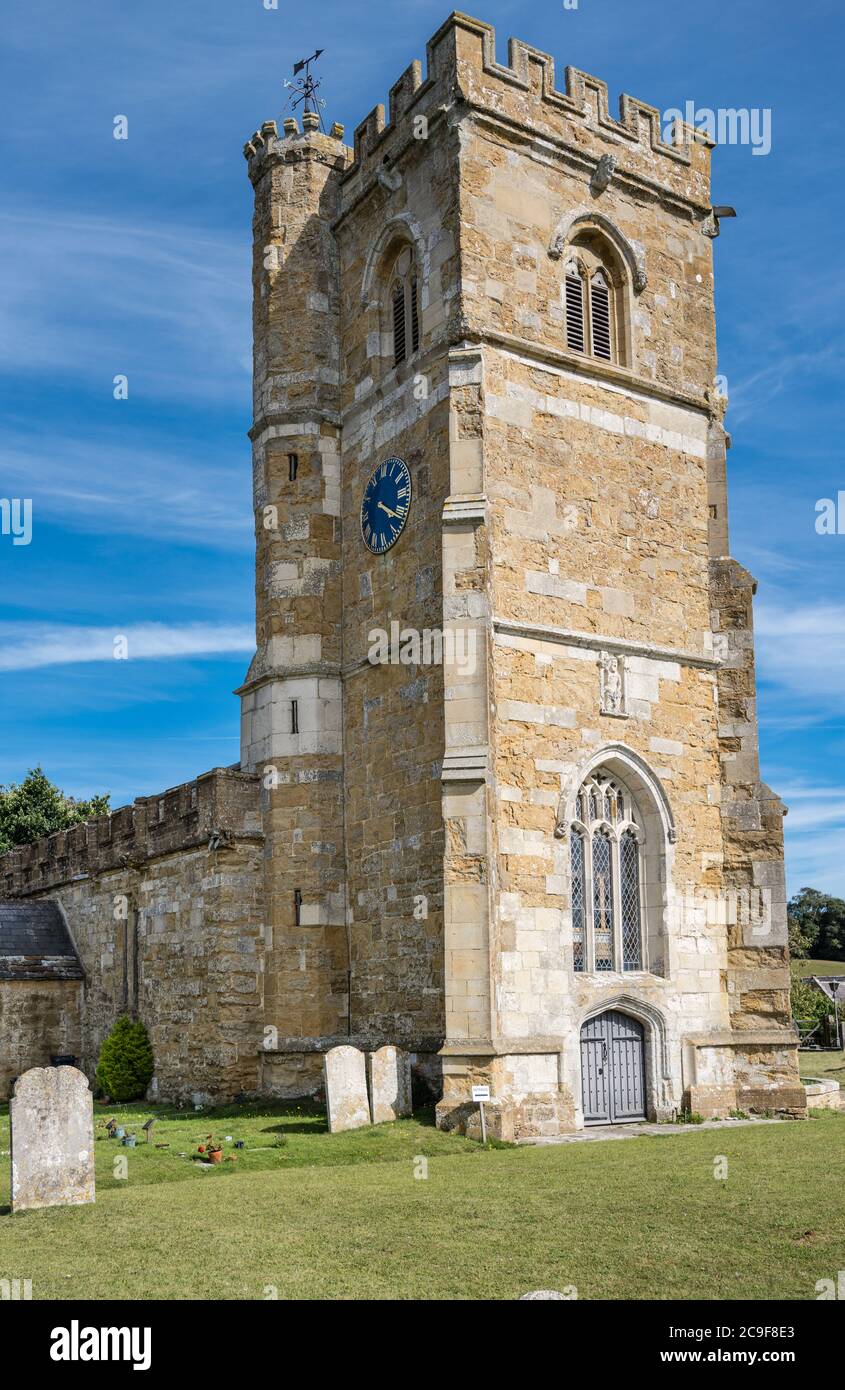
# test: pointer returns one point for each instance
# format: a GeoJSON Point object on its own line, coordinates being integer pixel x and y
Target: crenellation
{"type": "Point", "coordinates": [223, 800]}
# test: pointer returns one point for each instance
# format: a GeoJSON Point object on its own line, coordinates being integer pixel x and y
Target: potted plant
{"type": "Point", "coordinates": [214, 1153]}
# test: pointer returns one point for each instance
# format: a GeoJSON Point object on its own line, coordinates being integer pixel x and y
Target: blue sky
{"type": "Point", "coordinates": [133, 257]}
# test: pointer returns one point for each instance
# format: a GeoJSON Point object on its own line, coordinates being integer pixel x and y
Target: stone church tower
{"type": "Point", "coordinates": [546, 858]}
{"type": "Point", "coordinates": [499, 797]}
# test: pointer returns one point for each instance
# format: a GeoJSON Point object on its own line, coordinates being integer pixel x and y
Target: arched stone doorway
{"type": "Point", "coordinates": [613, 1071]}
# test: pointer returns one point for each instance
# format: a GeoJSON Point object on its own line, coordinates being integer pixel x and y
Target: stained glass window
{"type": "Point", "coordinates": [576, 845]}
{"type": "Point", "coordinates": [602, 901]}
{"type": "Point", "coordinates": [605, 854]}
{"type": "Point", "coordinates": [629, 873]}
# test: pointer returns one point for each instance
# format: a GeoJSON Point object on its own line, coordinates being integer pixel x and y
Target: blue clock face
{"type": "Point", "coordinates": [385, 505]}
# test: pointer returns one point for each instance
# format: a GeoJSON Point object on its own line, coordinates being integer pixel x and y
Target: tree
{"type": "Point", "coordinates": [816, 925]}
{"type": "Point", "coordinates": [36, 807]}
{"type": "Point", "coordinates": [125, 1066]}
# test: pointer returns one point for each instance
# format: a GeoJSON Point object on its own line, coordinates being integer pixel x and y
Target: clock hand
{"type": "Point", "coordinates": [388, 510]}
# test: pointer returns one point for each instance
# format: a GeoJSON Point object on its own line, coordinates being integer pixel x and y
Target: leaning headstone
{"type": "Point", "coordinates": [345, 1074]}
{"type": "Point", "coordinates": [390, 1084]}
{"type": "Point", "coordinates": [52, 1122]}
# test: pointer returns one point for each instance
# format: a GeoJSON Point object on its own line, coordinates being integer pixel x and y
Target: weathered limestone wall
{"type": "Point", "coordinates": [602, 497]}
{"type": "Point", "coordinates": [292, 708]}
{"type": "Point", "coordinates": [38, 1019]}
{"type": "Point", "coordinates": [393, 711]}
{"type": "Point", "coordinates": [164, 902]}
{"type": "Point", "coordinates": [757, 976]}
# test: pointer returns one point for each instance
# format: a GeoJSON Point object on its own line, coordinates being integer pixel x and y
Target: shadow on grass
{"type": "Point", "coordinates": [299, 1109]}
{"type": "Point", "coordinates": [319, 1125]}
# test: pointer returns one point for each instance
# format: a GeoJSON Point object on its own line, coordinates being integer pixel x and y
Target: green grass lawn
{"type": "Point", "coordinates": [275, 1136]}
{"type": "Point", "coordinates": [818, 967]}
{"type": "Point", "coordinates": [344, 1217]}
{"type": "Point", "coordinates": [823, 1065]}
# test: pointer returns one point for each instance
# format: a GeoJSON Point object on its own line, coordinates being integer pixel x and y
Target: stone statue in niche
{"type": "Point", "coordinates": [612, 687]}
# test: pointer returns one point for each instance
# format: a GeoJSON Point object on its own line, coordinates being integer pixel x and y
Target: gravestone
{"type": "Point", "coordinates": [52, 1123]}
{"type": "Point", "coordinates": [345, 1073]}
{"type": "Point", "coordinates": [390, 1084]}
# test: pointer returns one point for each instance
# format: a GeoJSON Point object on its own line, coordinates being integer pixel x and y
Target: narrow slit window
{"type": "Point", "coordinates": [293, 465]}
{"type": "Point", "coordinates": [294, 716]}
{"type": "Point", "coordinates": [297, 906]}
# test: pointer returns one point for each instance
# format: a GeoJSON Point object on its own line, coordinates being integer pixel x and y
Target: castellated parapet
{"type": "Point", "coordinates": [510, 291]}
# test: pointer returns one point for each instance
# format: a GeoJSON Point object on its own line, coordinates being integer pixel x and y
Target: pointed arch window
{"type": "Point", "coordinates": [404, 308]}
{"type": "Point", "coordinates": [606, 854]}
{"type": "Point", "coordinates": [591, 306]}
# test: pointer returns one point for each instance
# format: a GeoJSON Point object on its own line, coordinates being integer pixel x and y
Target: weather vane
{"type": "Point", "coordinates": [305, 88]}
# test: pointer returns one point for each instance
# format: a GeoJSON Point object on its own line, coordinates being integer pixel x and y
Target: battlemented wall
{"type": "Point", "coordinates": [164, 902]}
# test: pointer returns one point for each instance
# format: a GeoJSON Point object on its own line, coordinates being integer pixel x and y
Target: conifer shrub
{"type": "Point", "coordinates": [125, 1066]}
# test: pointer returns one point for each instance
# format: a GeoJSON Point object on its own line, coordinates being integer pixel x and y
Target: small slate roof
{"type": "Point", "coordinates": [35, 944]}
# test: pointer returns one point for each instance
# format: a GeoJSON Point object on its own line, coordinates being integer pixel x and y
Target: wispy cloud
{"type": "Point", "coordinates": [86, 313]}
{"type": "Point", "coordinates": [43, 644]}
{"type": "Point", "coordinates": [801, 649]}
{"type": "Point", "coordinates": [749, 394]}
{"type": "Point", "coordinates": [107, 485]}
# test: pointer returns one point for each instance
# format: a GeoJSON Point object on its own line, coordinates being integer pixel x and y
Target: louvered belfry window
{"type": "Point", "coordinates": [574, 308]}
{"type": "Point", "coordinates": [415, 317]}
{"type": "Point", "coordinates": [399, 344]}
{"type": "Point", "coordinates": [606, 846]}
{"type": "Point", "coordinates": [600, 316]}
{"type": "Point", "coordinates": [404, 308]}
{"type": "Point", "coordinates": [588, 307]}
